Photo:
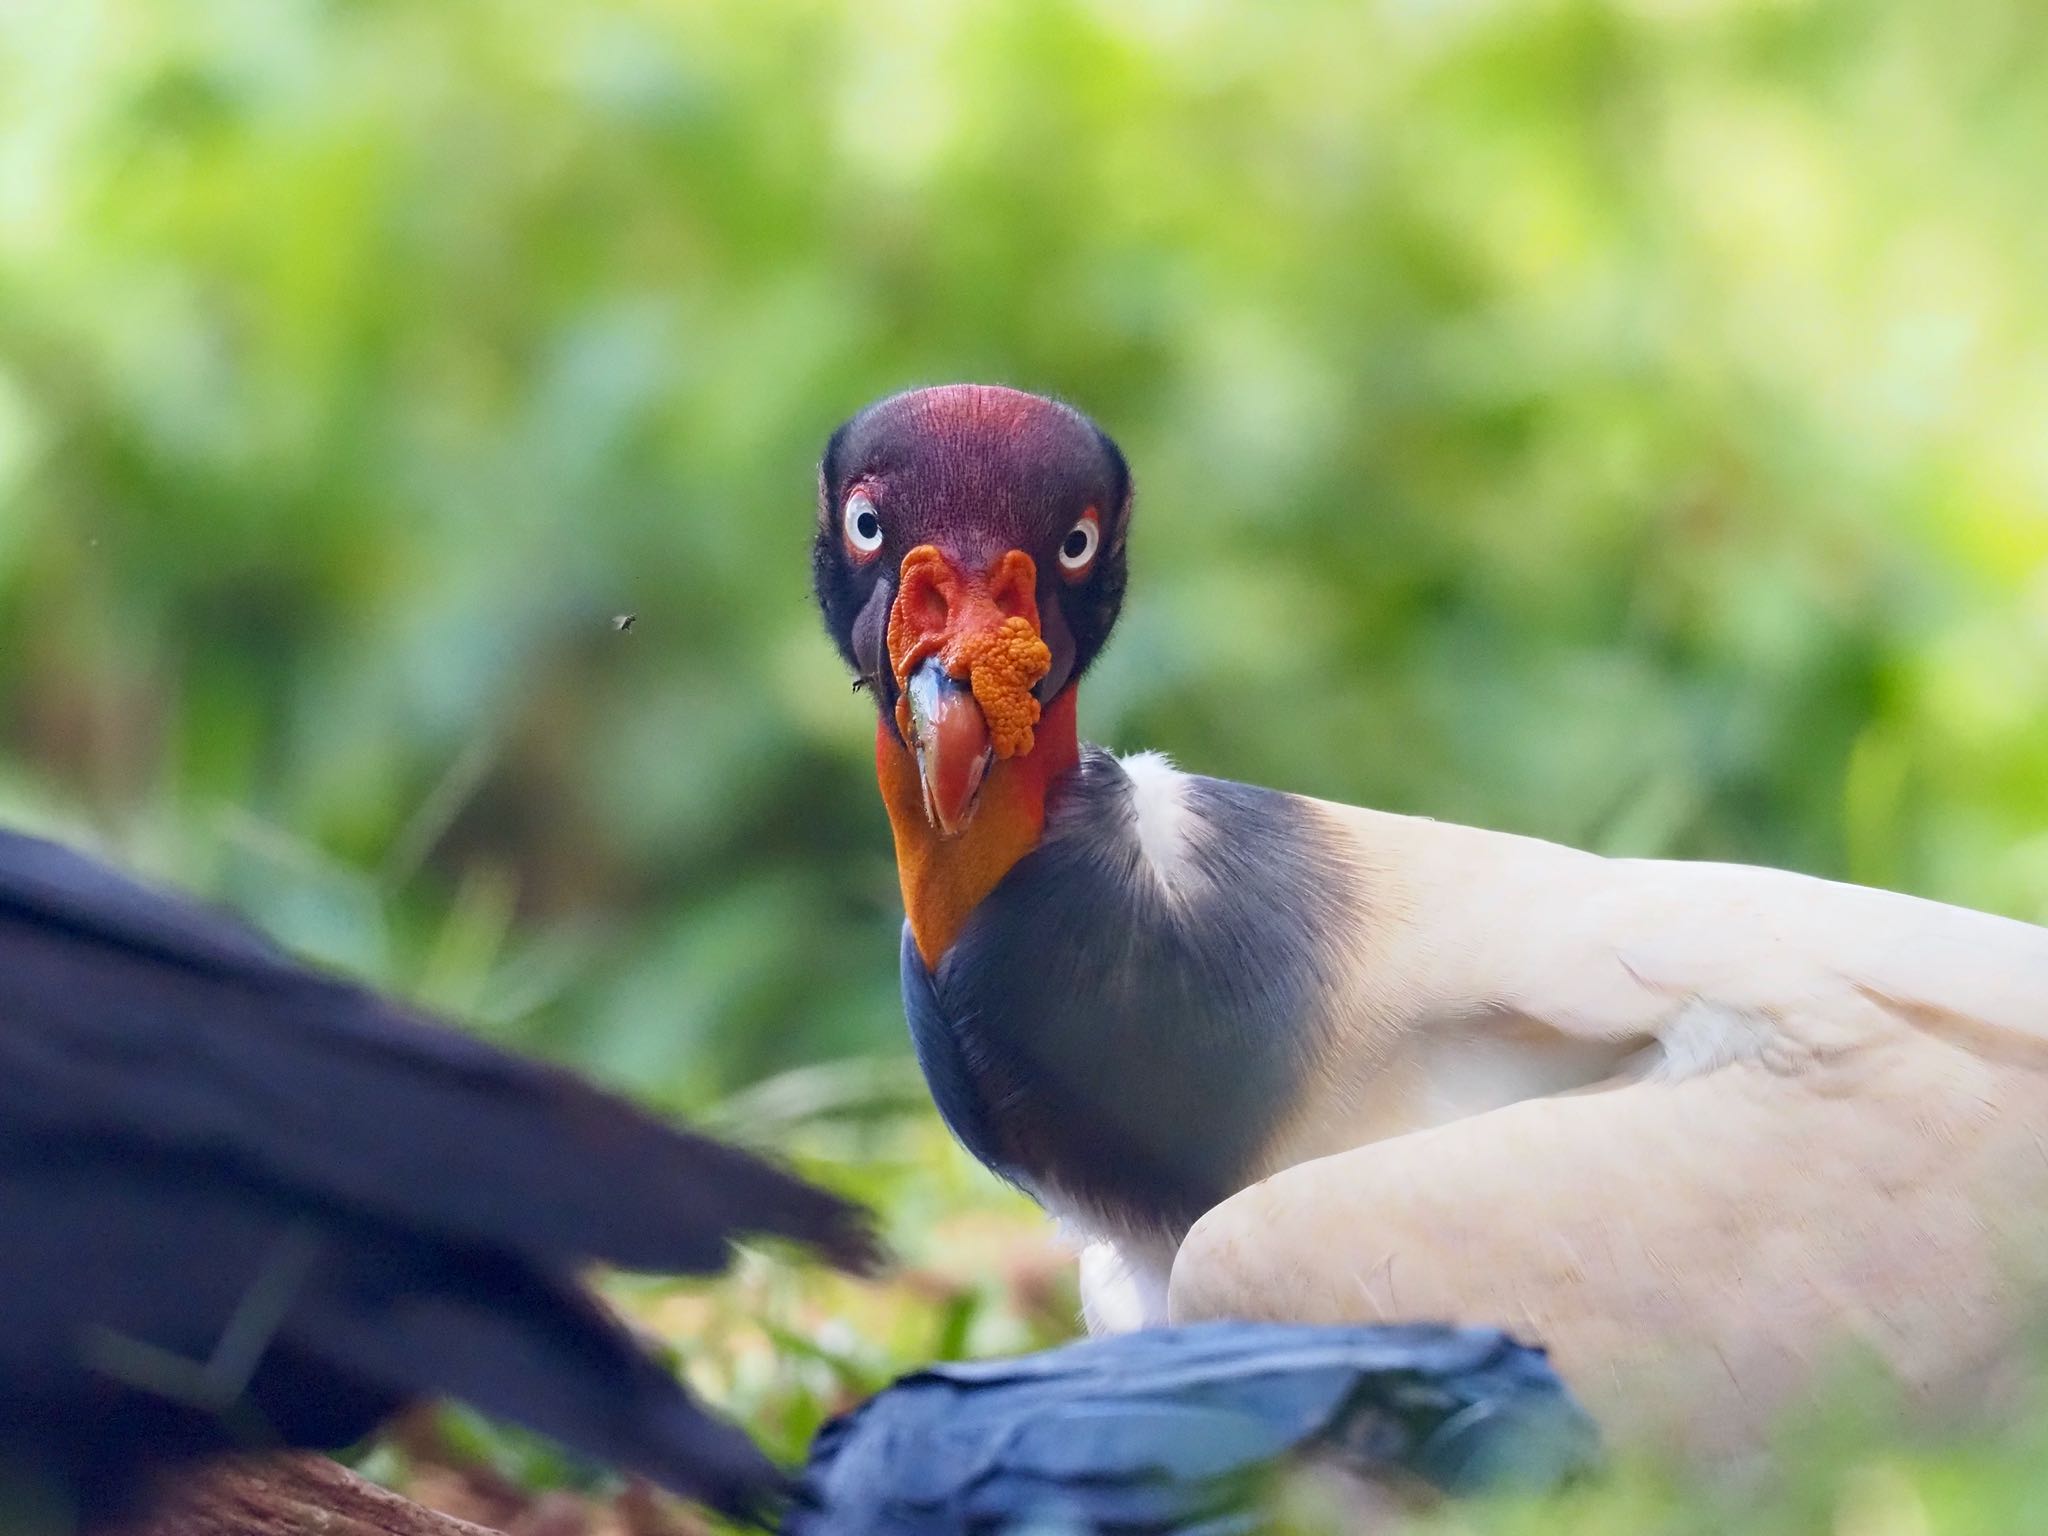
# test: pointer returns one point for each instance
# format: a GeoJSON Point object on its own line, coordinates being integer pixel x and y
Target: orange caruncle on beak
{"type": "Point", "coordinates": [946, 629]}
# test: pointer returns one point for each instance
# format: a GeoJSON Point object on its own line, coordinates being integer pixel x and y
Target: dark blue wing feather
{"type": "Point", "coordinates": [1180, 1429]}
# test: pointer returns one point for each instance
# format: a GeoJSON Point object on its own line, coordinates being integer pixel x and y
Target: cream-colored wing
{"type": "Point", "coordinates": [1831, 1132]}
{"type": "Point", "coordinates": [1698, 1254]}
{"type": "Point", "coordinates": [1464, 920]}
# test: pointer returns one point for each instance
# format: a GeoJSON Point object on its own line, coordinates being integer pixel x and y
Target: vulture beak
{"type": "Point", "coordinates": [966, 651]}
{"type": "Point", "coordinates": [949, 736]}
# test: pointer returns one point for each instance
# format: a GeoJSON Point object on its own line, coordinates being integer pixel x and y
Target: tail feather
{"type": "Point", "coordinates": [539, 1352]}
{"type": "Point", "coordinates": [146, 1286]}
{"type": "Point", "coordinates": [139, 1019]}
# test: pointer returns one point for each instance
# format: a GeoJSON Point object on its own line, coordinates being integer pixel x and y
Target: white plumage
{"type": "Point", "coordinates": [1708, 1131]}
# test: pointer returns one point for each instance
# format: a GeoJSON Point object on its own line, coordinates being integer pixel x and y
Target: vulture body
{"type": "Point", "coordinates": [245, 1206]}
{"type": "Point", "coordinates": [1192, 1430]}
{"type": "Point", "coordinates": [1707, 1131]}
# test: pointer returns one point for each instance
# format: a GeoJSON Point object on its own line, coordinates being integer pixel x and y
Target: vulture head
{"type": "Point", "coordinates": [970, 561]}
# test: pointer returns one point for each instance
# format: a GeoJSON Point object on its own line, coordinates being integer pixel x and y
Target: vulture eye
{"type": "Point", "coordinates": [1077, 549]}
{"type": "Point", "coordinates": [863, 526]}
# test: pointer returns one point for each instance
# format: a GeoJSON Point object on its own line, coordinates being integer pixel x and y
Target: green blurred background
{"type": "Point", "coordinates": [1624, 421]}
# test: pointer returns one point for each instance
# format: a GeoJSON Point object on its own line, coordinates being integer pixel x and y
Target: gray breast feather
{"type": "Point", "coordinates": [1132, 1041]}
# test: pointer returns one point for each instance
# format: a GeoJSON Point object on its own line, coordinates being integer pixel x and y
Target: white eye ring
{"type": "Point", "coordinates": [863, 524]}
{"type": "Point", "coordinates": [1077, 549]}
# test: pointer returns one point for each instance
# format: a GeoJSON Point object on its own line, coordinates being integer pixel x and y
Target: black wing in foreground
{"type": "Point", "coordinates": [244, 1205]}
{"type": "Point", "coordinates": [1187, 1429]}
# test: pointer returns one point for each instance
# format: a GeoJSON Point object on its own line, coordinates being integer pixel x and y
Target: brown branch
{"type": "Point", "coordinates": [289, 1496]}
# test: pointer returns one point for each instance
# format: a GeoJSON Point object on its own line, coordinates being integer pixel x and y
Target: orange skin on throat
{"type": "Point", "coordinates": [945, 878]}
{"type": "Point", "coordinates": [985, 632]}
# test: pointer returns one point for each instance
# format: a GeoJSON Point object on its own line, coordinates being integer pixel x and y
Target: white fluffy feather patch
{"type": "Point", "coordinates": [1123, 1277]}
{"type": "Point", "coordinates": [1159, 801]}
{"type": "Point", "coordinates": [1117, 1295]}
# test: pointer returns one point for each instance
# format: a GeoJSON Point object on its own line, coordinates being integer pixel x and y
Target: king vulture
{"type": "Point", "coordinates": [245, 1206]}
{"type": "Point", "coordinates": [1707, 1131]}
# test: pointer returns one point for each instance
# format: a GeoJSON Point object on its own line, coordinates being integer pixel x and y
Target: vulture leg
{"type": "Point", "coordinates": [1699, 1256]}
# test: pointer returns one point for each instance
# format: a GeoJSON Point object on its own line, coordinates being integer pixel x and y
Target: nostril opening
{"type": "Point", "coordinates": [1012, 595]}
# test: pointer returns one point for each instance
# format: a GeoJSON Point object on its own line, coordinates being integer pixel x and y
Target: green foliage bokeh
{"type": "Point", "coordinates": [1624, 421]}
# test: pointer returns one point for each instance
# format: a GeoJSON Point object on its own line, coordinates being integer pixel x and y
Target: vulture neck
{"type": "Point", "coordinates": [945, 878]}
